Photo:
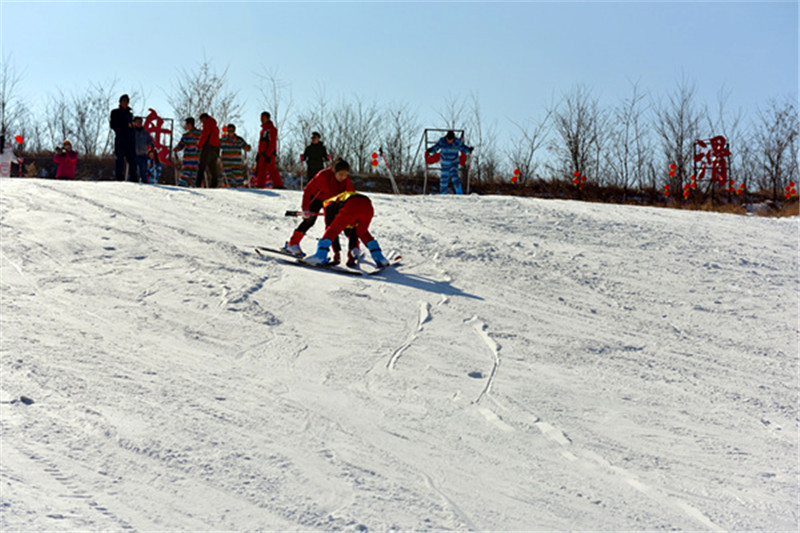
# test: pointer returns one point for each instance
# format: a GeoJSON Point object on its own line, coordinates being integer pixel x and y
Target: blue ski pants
{"type": "Point", "coordinates": [448, 173]}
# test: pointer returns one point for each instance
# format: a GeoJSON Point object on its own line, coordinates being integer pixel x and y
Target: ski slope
{"type": "Point", "coordinates": [533, 365]}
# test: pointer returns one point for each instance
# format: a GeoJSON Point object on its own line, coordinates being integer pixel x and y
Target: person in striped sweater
{"type": "Point", "coordinates": [231, 146]}
{"type": "Point", "coordinates": [191, 153]}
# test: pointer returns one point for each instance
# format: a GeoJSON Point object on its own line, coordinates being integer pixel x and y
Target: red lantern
{"type": "Point", "coordinates": [374, 155]}
{"type": "Point", "coordinates": [576, 173]}
{"type": "Point", "coordinates": [673, 166]}
{"type": "Point", "coordinates": [374, 162]}
{"type": "Point", "coordinates": [19, 139]}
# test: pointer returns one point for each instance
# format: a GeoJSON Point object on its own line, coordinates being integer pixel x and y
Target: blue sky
{"type": "Point", "coordinates": [516, 56]}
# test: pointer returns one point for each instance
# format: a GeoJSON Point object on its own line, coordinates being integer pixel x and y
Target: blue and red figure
{"type": "Point", "coordinates": [450, 148]}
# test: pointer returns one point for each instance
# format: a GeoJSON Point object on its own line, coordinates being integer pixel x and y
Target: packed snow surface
{"type": "Point", "coordinates": [532, 365]}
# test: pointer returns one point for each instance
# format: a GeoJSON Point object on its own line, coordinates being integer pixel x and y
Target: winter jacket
{"type": "Point", "coordinates": [67, 161]}
{"type": "Point", "coordinates": [449, 151]}
{"type": "Point", "coordinates": [323, 187]}
{"type": "Point", "coordinates": [142, 140]}
{"type": "Point", "coordinates": [315, 156]}
{"type": "Point", "coordinates": [121, 120]}
{"type": "Point", "coordinates": [268, 140]}
{"type": "Point", "coordinates": [210, 134]}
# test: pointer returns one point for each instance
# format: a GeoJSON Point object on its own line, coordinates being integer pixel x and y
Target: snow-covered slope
{"type": "Point", "coordinates": [533, 365]}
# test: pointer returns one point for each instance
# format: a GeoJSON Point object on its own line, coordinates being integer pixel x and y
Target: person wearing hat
{"type": "Point", "coordinates": [315, 156]}
{"type": "Point", "coordinates": [124, 143]}
{"type": "Point", "coordinates": [449, 147]}
{"type": "Point", "coordinates": [67, 160]}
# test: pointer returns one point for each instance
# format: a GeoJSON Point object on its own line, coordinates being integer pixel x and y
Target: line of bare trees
{"type": "Point", "coordinates": [627, 145]}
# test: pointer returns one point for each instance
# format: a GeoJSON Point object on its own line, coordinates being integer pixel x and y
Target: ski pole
{"type": "Point", "coordinates": [300, 214]}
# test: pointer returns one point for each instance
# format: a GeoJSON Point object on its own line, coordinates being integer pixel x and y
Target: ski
{"type": "Point", "coordinates": [392, 263]}
{"type": "Point", "coordinates": [291, 259]}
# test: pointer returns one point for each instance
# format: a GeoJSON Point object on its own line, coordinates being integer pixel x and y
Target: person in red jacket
{"type": "Point", "coordinates": [266, 159]}
{"type": "Point", "coordinates": [67, 160]}
{"type": "Point", "coordinates": [209, 151]}
{"type": "Point", "coordinates": [328, 183]}
{"type": "Point", "coordinates": [349, 210]}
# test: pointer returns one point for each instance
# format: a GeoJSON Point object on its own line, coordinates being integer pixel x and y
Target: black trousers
{"type": "Point", "coordinates": [125, 154]}
{"type": "Point", "coordinates": [350, 233]}
{"type": "Point", "coordinates": [209, 160]}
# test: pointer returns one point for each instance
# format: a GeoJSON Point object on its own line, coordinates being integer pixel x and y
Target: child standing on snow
{"type": "Point", "coordinates": [153, 167]}
{"type": "Point", "coordinates": [349, 209]}
{"type": "Point", "coordinates": [326, 184]}
{"type": "Point", "coordinates": [450, 148]}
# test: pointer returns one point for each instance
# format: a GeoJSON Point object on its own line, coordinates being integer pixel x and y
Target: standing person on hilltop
{"type": "Point", "coordinates": [450, 148]}
{"type": "Point", "coordinates": [266, 159]}
{"type": "Point", "coordinates": [315, 156]}
{"type": "Point", "coordinates": [67, 160]}
{"type": "Point", "coordinates": [232, 163]}
{"type": "Point", "coordinates": [327, 184]}
{"type": "Point", "coordinates": [142, 142]}
{"type": "Point", "coordinates": [191, 153]}
{"type": "Point", "coordinates": [124, 149]}
{"type": "Point", "coordinates": [209, 151]}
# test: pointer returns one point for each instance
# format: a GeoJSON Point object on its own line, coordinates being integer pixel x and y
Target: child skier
{"type": "Point", "coordinates": [326, 184]}
{"type": "Point", "coordinates": [349, 209]}
{"type": "Point", "coordinates": [449, 146]}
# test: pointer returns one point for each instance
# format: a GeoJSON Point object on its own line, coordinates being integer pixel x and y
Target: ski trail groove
{"type": "Point", "coordinates": [424, 316]}
{"type": "Point", "coordinates": [494, 348]}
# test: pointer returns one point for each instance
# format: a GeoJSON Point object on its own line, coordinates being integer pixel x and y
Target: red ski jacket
{"type": "Point", "coordinates": [324, 186]}
{"type": "Point", "coordinates": [210, 134]}
{"type": "Point", "coordinates": [67, 162]}
{"type": "Point", "coordinates": [268, 140]}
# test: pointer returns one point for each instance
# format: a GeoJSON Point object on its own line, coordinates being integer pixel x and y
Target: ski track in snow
{"type": "Point", "coordinates": [533, 365]}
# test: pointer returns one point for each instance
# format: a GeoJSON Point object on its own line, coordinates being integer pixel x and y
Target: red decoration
{"type": "Point", "coordinates": [155, 126]}
{"type": "Point", "coordinates": [716, 158]}
{"type": "Point", "coordinates": [374, 155]}
{"type": "Point", "coordinates": [19, 139]}
{"type": "Point", "coordinates": [374, 162]}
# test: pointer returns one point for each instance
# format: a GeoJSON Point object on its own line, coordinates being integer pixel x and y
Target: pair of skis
{"type": "Point", "coordinates": [290, 259]}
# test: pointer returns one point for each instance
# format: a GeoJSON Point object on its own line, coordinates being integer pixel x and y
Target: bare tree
{"type": "Point", "coordinates": [398, 136]}
{"type": "Point", "coordinates": [59, 123]}
{"type": "Point", "coordinates": [776, 140]}
{"type": "Point", "coordinates": [12, 109]}
{"type": "Point", "coordinates": [452, 111]}
{"type": "Point", "coordinates": [277, 98]}
{"type": "Point", "coordinates": [677, 124]}
{"type": "Point", "coordinates": [524, 148]}
{"type": "Point", "coordinates": [355, 132]}
{"type": "Point", "coordinates": [204, 90]}
{"type": "Point", "coordinates": [89, 118]}
{"type": "Point", "coordinates": [483, 137]}
{"type": "Point", "coordinates": [579, 125]}
{"type": "Point", "coordinates": [629, 149]}
{"type": "Point", "coordinates": [314, 119]}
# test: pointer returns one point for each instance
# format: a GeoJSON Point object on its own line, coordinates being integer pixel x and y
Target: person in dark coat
{"type": "Point", "coordinates": [315, 156]}
{"type": "Point", "coordinates": [124, 144]}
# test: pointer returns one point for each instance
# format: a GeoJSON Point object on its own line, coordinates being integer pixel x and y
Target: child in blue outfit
{"type": "Point", "coordinates": [449, 147]}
